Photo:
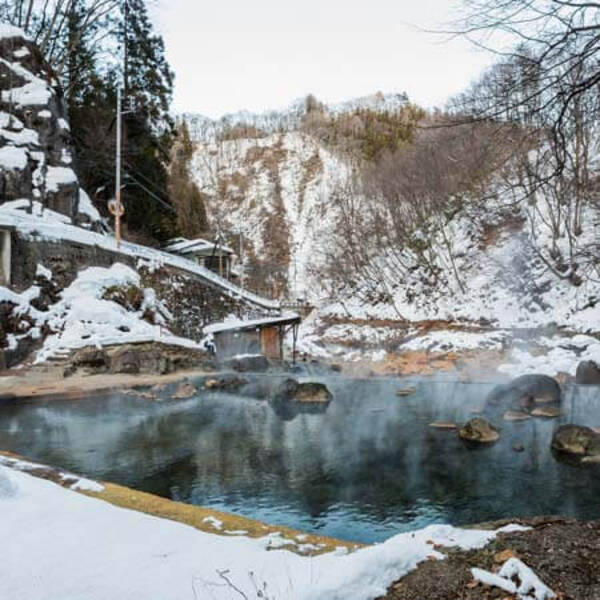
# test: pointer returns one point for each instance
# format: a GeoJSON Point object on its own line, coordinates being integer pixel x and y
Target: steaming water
{"type": "Point", "coordinates": [365, 469]}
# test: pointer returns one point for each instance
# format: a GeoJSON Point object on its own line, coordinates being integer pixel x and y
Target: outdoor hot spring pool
{"type": "Point", "coordinates": [365, 469]}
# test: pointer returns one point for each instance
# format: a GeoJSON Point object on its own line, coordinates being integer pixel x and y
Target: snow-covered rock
{"type": "Point", "coordinates": [35, 142]}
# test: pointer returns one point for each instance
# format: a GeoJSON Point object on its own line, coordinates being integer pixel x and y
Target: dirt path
{"type": "Point", "coordinates": [48, 382]}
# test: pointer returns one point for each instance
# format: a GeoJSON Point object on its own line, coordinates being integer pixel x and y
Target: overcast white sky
{"type": "Point", "coordinates": [230, 55]}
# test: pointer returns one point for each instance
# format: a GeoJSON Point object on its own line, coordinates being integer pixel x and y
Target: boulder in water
{"type": "Point", "coordinates": [588, 373]}
{"type": "Point", "coordinates": [448, 425]}
{"type": "Point", "coordinates": [305, 393]}
{"type": "Point", "coordinates": [479, 430]}
{"type": "Point", "coordinates": [525, 391]}
{"type": "Point", "coordinates": [225, 382]}
{"type": "Point", "coordinates": [576, 439]}
{"type": "Point", "coordinates": [184, 391]}
{"type": "Point", "coordinates": [546, 412]}
{"type": "Point", "coordinates": [407, 391]}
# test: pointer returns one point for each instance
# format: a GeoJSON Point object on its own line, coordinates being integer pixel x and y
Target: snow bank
{"type": "Point", "coordinates": [84, 318]}
{"type": "Point", "coordinates": [84, 548]}
{"type": "Point", "coordinates": [74, 482]}
{"type": "Point", "coordinates": [87, 208]}
{"type": "Point", "coordinates": [529, 586]}
{"type": "Point", "coordinates": [58, 176]}
{"type": "Point", "coordinates": [13, 158]}
{"type": "Point", "coordinates": [445, 341]}
{"type": "Point", "coordinates": [552, 355]}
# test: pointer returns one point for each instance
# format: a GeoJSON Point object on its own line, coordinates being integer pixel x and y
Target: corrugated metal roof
{"type": "Point", "coordinates": [185, 246]}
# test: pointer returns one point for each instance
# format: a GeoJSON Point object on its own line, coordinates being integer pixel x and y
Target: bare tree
{"type": "Point", "coordinates": [46, 22]}
{"type": "Point", "coordinates": [398, 218]}
{"type": "Point", "coordinates": [557, 44]}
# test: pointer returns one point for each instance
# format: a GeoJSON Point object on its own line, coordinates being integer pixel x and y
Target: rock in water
{"type": "Point", "coordinates": [443, 425]}
{"type": "Point", "coordinates": [479, 430]}
{"type": "Point", "coordinates": [576, 439]}
{"type": "Point", "coordinates": [226, 382]}
{"type": "Point", "coordinates": [513, 415]}
{"type": "Point", "coordinates": [524, 391]}
{"type": "Point", "coordinates": [313, 393]}
{"type": "Point", "coordinates": [304, 393]}
{"type": "Point", "coordinates": [184, 391]}
{"type": "Point", "coordinates": [588, 373]}
{"type": "Point", "coordinates": [547, 412]}
{"type": "Point", "coordinates": [408, 391]}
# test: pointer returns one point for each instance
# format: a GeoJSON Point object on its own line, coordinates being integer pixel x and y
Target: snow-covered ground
{"type": "Point", "coordinates": [530, 352]}
{"type": "Point", "coordinates": [510, 302]}
{"type": "Point", "coordinates": [61, 544]}
{"type": "Point", "coordinates": [82, 317]}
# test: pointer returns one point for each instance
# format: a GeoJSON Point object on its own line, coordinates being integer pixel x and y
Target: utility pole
{"type": "Point", "coordinates": [118, 200]}
{"type": "Point", "coordinates": [118, 173]}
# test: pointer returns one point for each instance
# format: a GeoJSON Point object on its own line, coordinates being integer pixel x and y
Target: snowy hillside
{"type": "Point", "coordinates": [277, 191]}
{"type": "Point", "coordinates": [503, 298]}
{"type": "Point", "coordinates": [203, 129]}
{"type": "Point", "coordinates": [487, 283]}
{"type": "Point", "coordinates": [60, 262]}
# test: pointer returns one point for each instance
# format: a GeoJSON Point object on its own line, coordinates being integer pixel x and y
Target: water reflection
{"type": "Point", "coordinates": [365, 468]}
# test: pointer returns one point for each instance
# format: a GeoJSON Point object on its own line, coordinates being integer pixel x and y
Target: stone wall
{"type": "Point", "coordinates": [65, 260]}
{"type": "Point", "coordinates": [192, 301]}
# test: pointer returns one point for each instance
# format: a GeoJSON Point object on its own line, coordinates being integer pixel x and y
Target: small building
{"type": "Point", "coordinates": [212, 255]}
{"type": "Point", "coordinates": [259, 336]}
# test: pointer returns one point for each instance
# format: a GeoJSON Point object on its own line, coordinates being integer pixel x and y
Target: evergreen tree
{"type": "Point", "coordinates": [185, 195]}
{"type": "Point", "coordinates": [148, 127]}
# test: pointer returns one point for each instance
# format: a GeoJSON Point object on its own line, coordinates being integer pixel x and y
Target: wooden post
{"type": "Point", "coordinates": [281, 334]}
{"type": "Point", "coordinates": [294, 339]}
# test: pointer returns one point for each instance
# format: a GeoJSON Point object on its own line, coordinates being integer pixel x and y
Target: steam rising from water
{"type": "Point", "coordinates": [364, 469]}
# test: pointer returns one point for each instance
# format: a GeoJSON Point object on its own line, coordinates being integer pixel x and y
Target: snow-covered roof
{"type": "Point", "coordinates": [10, 31]}
{"type": "Point", "coordinates": [239, 325]}
{"type": "Point", "coordinates": [198, 245]}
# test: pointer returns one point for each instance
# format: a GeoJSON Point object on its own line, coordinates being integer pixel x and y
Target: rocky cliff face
{"type": "Point", "coordinates": [277, 193]}
{"type": "Point", "coordinates": [274, 179]}
{"type": "Point", "coordinates": [36, 155]}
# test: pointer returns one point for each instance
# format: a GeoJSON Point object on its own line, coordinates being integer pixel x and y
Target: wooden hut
{"type": "Point", "coordinates": [213, 256]}
{"type": "Point", "coordinates": [259, 336]}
